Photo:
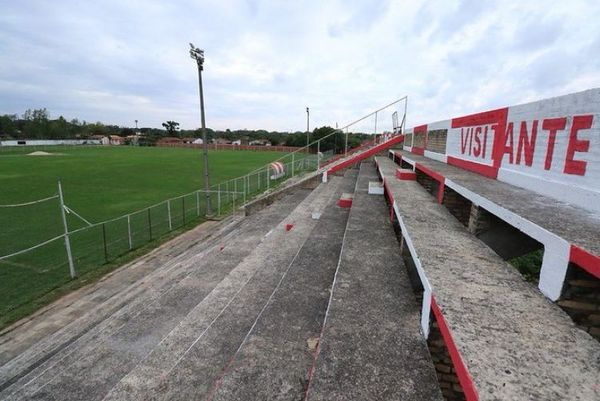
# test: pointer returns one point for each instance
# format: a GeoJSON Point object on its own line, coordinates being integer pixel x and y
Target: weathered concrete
{"type": "Point", "coordinates": [515, 344]}
{"type": "Point", "coordinates": [274, 360]}
{"type": "Point", "coordinates": [189, 360]}
{"type": "Point", "coordinates": [372, 347]}
{"type": "Point", "coordinates": [311, 181]}
{"type": "Point", "coordinates": [576, 225]}
{"type": "Point", "coordinates": [21, 335]}
{"type": "Point", "coordinates": [84, 360]}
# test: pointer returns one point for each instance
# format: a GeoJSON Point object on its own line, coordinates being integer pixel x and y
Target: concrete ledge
{"type": "Point", "coordinates": [310, 182]}
{"type": "Point", "coordinates": [506, 341]}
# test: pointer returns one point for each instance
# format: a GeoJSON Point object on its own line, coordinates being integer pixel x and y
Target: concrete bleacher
{"type": "Point", "coordinates": [314, 296]}
{"type": "Point", "coordinates": [505, 340]}
{"type": "Point", "coordinates": [371, 347]}
{"type": "Point", "coordinates": [560, 228]}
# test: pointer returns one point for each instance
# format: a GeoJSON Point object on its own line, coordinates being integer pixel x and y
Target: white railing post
{"type": "Point", "coordinates": [346, 147]}
{"type": "Point", "coordinates": [318, 154]}
{"type": "Point", "coordinates": [219, 200]}
{"type": "Point", "coordinates": [129, 232]}
{"type": "Point", "coordinates": [67, 240]}
{"type": "Point", "coordinates": [268, 178]}
{"type": "Point", "coordinates": [293, 164]}
{"type": "Point", "coordinates": [169, 214]}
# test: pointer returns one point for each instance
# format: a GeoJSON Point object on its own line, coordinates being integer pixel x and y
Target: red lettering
{"type": "Point", "coordinates": [463, 139]}
{"type": "Point", "coordinates": [509, 138]}
{"type": "Point", "coordinates": [552, 125]}
{"type": "Point", "coordinates": [471, 141]}
{"type": "Point", "coordinates": [572, 166]}
{"type": "Point", "coordinates": [477, 148]}
{"type": "Point", "coordinates": [527, 144]}
{"type": "Point", "coordinates": [484, 141]}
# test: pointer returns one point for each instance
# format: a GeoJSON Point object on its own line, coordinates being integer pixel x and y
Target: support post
{"type": "Point", "coordinates": [183, 208]}
{"type": "Point", "coordinates": [219, 201]}
{"type": "Point", "coordinates": [169, 214]}
{"type": "Point", "coordinates": [149, 224]}
{"type": "Point", "coordinates": [318, 154]}
{"type": "Point", "coordinates": [293, 164]}
{"type": "Point", "coordinates": [346, 146]}
{"type": "Point", "coordinates": [66, 227]}
{"type": "Point", "coordinates": [268, 178]}
{"type": "Point", "coordinates": [198, 203]}
{"type": "Point", "coordinates": [129, 232]}
{"type": "Point", "coordinates": [104, 241]}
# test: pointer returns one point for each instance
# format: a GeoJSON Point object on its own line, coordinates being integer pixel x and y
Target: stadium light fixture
{"type": "Point", "coordinates": [198, 55]}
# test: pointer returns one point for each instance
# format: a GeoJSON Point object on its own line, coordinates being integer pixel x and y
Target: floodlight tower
{"type": "Point", "coordinates": [198, 55]}
{"type": "Point", "coordinates": [307, 127]}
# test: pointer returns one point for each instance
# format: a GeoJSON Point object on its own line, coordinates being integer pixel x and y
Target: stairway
{"type": "Point", "coordinates": [371, 347]}
{"type": "Point", "coordinates": [249, 315]}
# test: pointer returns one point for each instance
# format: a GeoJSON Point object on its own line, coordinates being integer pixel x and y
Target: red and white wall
{"type": "Point", "coordinates": [551, 146]}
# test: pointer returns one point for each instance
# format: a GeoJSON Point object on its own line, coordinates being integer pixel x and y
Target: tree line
{"type": "Point", "coordinates": [37, 124]}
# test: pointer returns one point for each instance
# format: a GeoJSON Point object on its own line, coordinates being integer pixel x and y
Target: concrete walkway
{"type": "Point", "coordinates": [372, 347]}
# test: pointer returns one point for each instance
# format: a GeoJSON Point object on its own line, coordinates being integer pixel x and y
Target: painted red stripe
{"type": "Point", "coordinates": [366, 154]}
{"type": "Point", "coordinates": [586, 260]}
{"type": "Point", "coordinates": [465, 379]}
{"type": "Point", "coordinates": [483, 169]}
{"type": "Point", "coordinates": [433, 174]}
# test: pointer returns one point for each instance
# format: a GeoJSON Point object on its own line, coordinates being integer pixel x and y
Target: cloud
{"type": "Point", "coordinates": [266, 61]}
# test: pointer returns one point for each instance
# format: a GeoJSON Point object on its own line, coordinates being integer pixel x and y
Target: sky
{"type": "Point", "coordinates": [266, 61]}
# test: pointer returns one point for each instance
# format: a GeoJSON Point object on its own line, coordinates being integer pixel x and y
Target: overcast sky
{"type": "Point", "coordinates": [117, 61]}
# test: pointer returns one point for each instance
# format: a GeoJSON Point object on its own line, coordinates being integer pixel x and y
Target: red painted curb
{"type": "Point", "coordinates": [405, 174]}
{"type": "Point", "coordinates": [586, 260]}
{"type": "Point", "coordinates": [465, 379]}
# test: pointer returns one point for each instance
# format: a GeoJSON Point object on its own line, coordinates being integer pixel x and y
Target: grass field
{"type": "Point", "coordinates": [99, 183]}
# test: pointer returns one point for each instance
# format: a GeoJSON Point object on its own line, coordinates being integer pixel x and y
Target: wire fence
{"type": "Point", "coordinates": [52, 243]}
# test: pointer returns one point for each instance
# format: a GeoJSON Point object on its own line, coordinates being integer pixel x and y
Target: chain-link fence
{"type": "Point", "coordinates": [41, 248]}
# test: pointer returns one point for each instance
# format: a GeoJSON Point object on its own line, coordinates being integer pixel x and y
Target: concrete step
{"type": "Point", "coordinates": [371, 346]}
{"type": "Point", "coordinates": [273, 360]}
{"type": "Point", "coordinates": [190, 359]}
{"type": "Point", "coordinates": [87, 366]}
{"type": "Point", "coordinates": [504, 339]}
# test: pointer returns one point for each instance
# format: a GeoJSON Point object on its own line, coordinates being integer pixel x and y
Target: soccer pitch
{"type": "Point", "coordinates": [99, 183]}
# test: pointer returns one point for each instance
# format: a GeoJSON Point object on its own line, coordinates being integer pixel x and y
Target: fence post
{"type": "Point", "coordinates": [129, 231]}
{"type": "Point", "coordinates": [104, 241]}
{"type": "Point", "coordinates": [318, 154]}
{"type": "Point", "coordinates": [219, 200]}
{"type": "Point", "coordinates": [198, 203]}
{"type": "Point", "coordinates": [150, 224]}
{"type": "Point", "coordinates": [183, 208]}
{"type": "Point", "coordinates": [67, 240]}
{"type": "Point", "coordinates": [293, 166]}
{"type": "Point", "coordinates": [169, 214]}
{"type": "Point", "coordinates": [258, 180]}
{"type": "Point", "coordinates": [346, 147]}
{"type": "Point", "coordinates": [268, 178]}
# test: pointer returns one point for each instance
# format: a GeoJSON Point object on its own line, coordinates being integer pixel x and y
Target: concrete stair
{"type": "Point", "coordinates": [371, 346]}
{"type": "Point", "coordinates": [88, 357]}
{"type": "Point", "coordinates": [274, 359]}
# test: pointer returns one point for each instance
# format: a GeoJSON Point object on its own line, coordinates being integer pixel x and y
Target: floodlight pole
{"type": "Point", "coordinates": [198, 55]}
{"type": "Point", "coordinates": [307, 128]}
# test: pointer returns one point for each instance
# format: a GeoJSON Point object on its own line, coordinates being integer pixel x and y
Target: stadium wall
{"type": "Point", "coordinates": [551, 146]}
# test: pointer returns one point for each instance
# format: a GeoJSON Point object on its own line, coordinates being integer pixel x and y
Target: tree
{"type": "Point", "coordinates": [8, 126]}
{"type": "Point", "coordinates": [171, 127]}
